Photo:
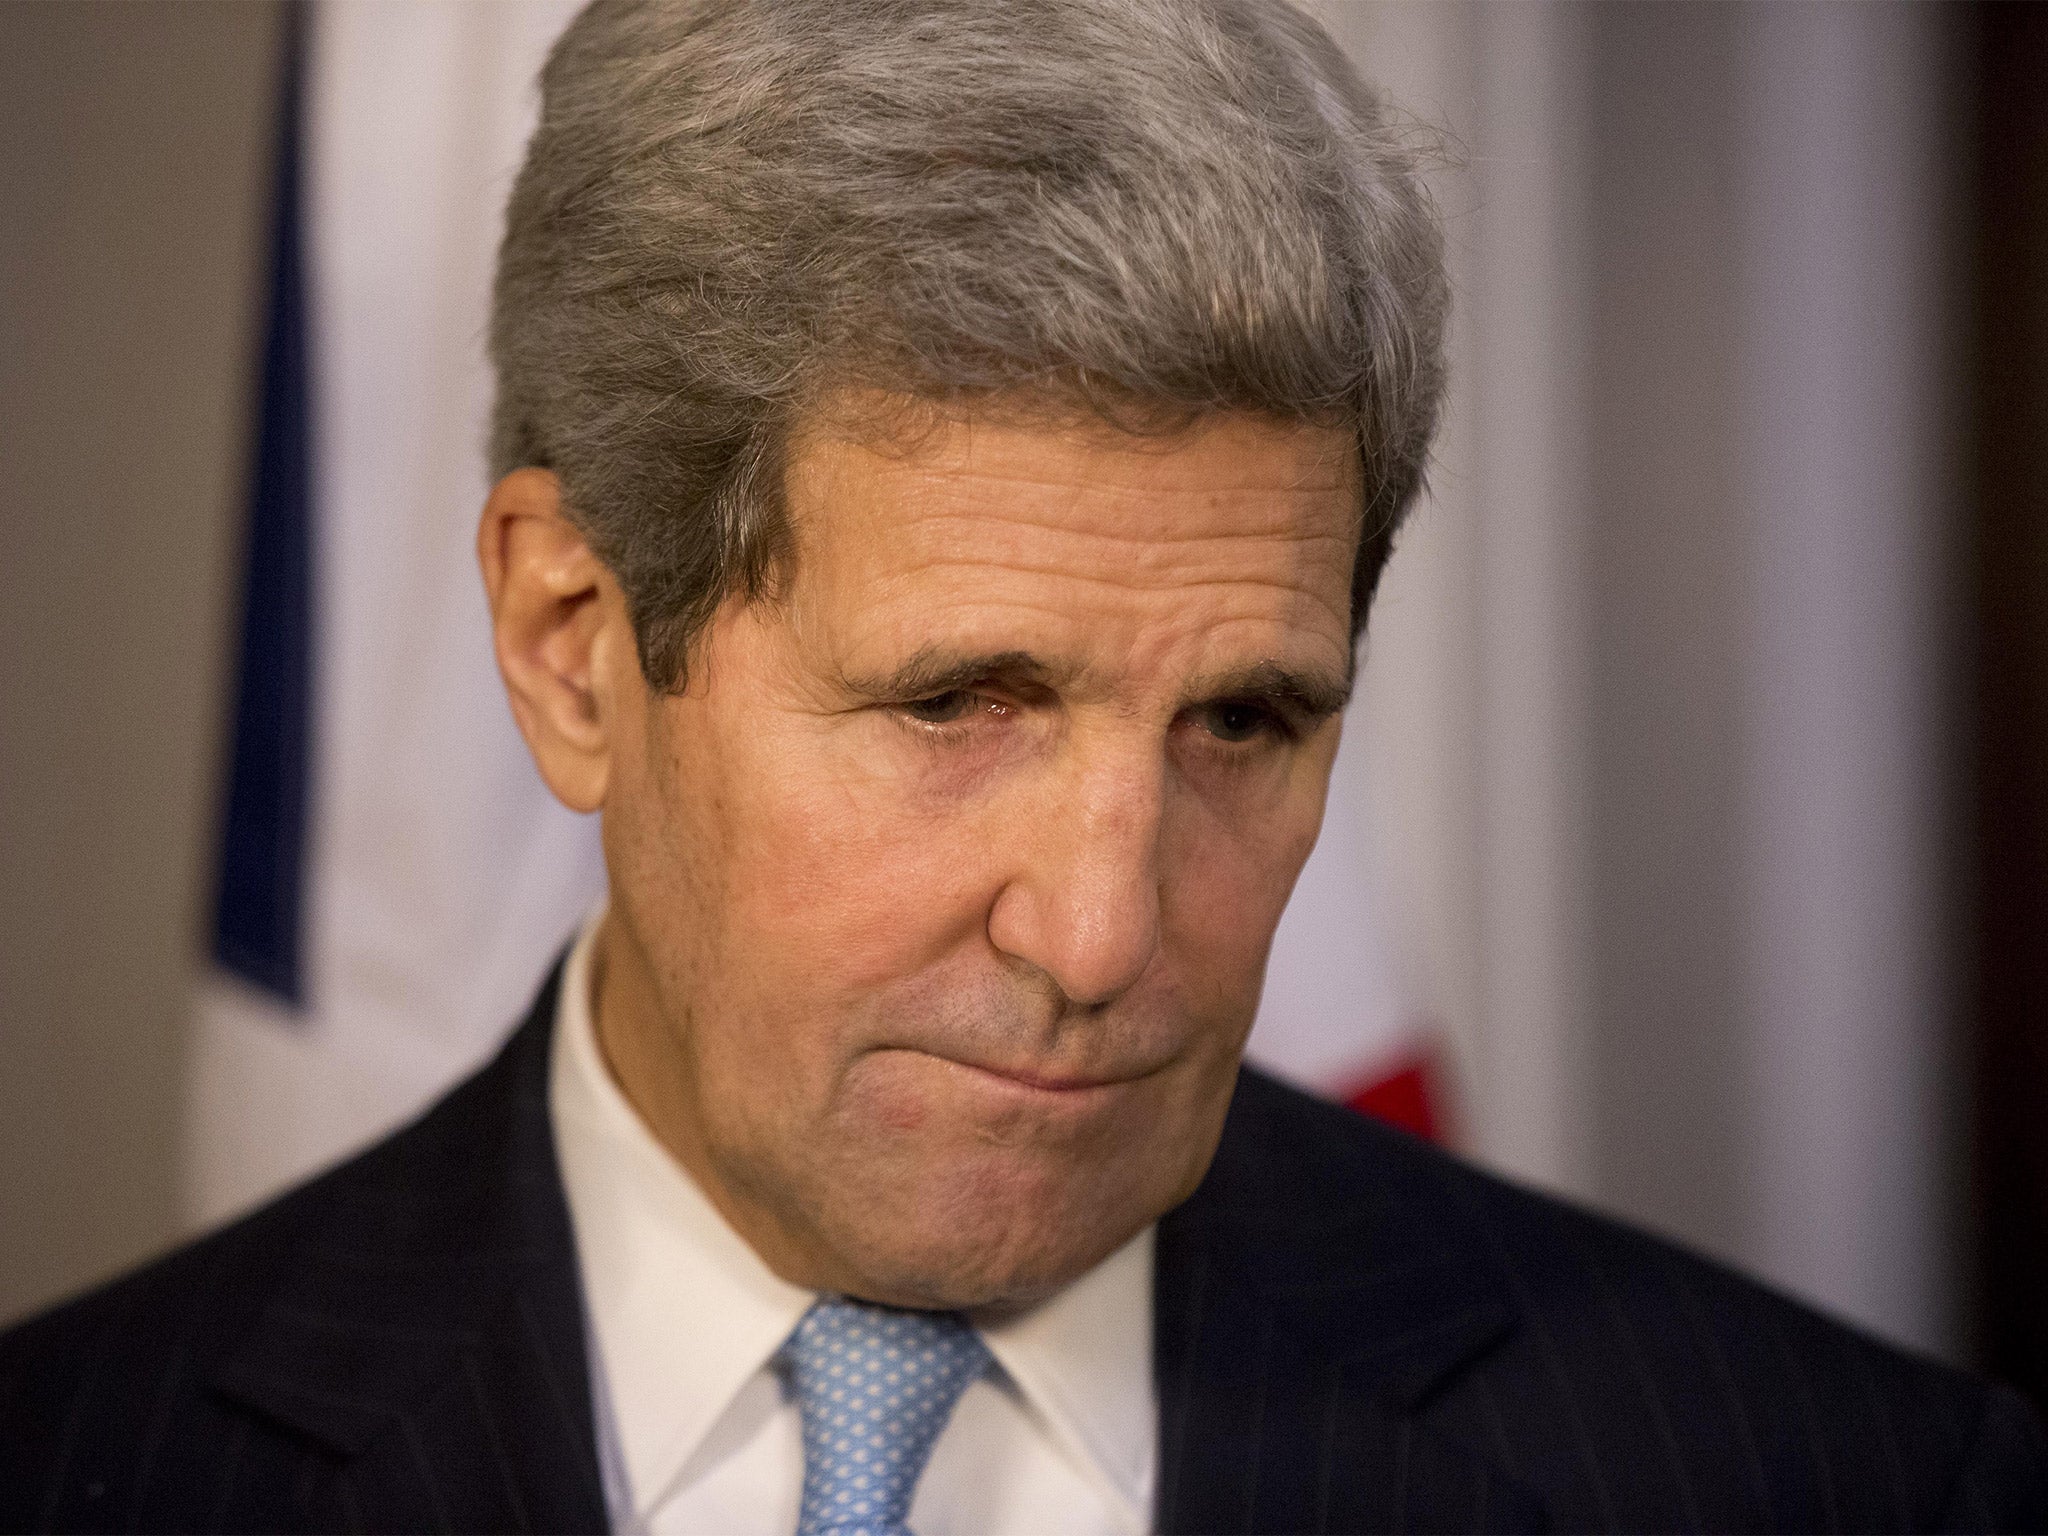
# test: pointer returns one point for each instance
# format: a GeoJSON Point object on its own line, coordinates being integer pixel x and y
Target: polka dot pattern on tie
{"type": "Point", "coordinates": [874, 1385]}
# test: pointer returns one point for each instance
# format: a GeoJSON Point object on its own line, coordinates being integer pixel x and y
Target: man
{"type": "Point", "coordinates": [946, 451]}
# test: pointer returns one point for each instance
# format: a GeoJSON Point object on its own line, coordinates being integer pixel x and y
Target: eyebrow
{"type": "Point", "coordinates": [933, 670]}
{"type": "Point", "coordinates": [1310, 692]}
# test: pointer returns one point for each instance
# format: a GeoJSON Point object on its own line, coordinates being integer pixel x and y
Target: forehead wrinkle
{"type": "Point", "coordinates": [1292, 560]}
{"type": "Point", "coordinates": [930, 544]}
{"type": "Point", "coordinates": [1060, 597]}
{"type": "Point", "coordinates": [1177, 585]}
{"type": "Point", "coordinates": [1130, 524]}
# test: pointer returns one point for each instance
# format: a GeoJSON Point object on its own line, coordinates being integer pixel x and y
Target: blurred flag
{"type": "Point", "coordinates": [1337, 1017]}
{"type": "Point", "coordinates": [394, 878]}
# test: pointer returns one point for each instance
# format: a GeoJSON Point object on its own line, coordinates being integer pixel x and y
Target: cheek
{"type": "Point", "coordinates": [864, 883]}
{"type": "Point", "coordinates": [1226, 877]}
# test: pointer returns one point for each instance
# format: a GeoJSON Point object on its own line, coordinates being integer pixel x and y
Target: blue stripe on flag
{"type": "Point", "coordinates": [258, 913]}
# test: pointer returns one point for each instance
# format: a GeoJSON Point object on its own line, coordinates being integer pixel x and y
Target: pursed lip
{"type": "Point", "coordinates": [1041, 1080]}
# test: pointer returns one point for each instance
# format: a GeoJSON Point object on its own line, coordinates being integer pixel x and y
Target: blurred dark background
{"type": "Point", "coordinates": [2008, 665]}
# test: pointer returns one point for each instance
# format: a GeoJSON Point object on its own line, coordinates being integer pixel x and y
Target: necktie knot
{"type": "Point", "coordinates": [874, 1386]}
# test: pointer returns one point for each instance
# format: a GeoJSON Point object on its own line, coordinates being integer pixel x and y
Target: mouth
{"type": "Point", "coordinates": [1043, 1083]}
{"type": "Point", "coordinates": [1015, 1107]}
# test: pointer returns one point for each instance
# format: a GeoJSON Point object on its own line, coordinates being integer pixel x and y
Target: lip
{"type": "Point", "coordinates": [1038, 1081]}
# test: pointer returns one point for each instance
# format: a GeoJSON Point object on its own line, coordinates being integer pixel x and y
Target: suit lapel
{"type": "Point", "coordinates": [428, 1334]}
{"type": "Point", "coordinates": [1306, 1306]}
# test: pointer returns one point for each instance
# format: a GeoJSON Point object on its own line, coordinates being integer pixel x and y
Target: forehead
{"type": "Point", "coordinates": [1236, 532]}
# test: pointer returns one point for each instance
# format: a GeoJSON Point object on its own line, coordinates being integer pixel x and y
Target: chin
{"type": "Point", "coordinates": [993, 1227]}
{"type": "Point", "coordinates": [958, 1270]}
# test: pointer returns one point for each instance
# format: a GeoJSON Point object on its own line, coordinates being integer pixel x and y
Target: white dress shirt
{"type": "Point", "coordinates": [696, 1430]}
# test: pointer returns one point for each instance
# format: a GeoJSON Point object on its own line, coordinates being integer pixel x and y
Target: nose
{"type": "Point", "coordinates": [1082, 902]}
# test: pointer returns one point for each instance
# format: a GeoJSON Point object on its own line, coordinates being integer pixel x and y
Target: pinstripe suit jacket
{"type": "Point", "coordinates": [1354, 1332]}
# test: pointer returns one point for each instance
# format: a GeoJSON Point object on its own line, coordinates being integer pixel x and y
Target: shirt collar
{"type": "Point", "coordinates": [685, 1313]}
{"type": "Point", "coordinates": [1083, 1360]}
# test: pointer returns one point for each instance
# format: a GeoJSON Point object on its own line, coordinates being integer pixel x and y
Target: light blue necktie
{"type": "Point", "coordinates": [875, 1386]}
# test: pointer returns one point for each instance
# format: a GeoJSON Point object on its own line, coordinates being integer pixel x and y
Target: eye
{"type": "Point", "coordinates": [1239, 720]}
{"type": "Point", "coordinates": [943, 708]}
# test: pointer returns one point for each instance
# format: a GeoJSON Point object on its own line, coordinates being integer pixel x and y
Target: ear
{"type": "Point", "coordinates": [562, 633]}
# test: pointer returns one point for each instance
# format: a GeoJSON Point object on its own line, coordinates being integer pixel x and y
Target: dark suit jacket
{"type": "Point", "coordinates": [1354, 1332]}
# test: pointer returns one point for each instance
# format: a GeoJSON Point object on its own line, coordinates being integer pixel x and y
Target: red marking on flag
{"type": "Point", "coordinates": [1404, 1096]}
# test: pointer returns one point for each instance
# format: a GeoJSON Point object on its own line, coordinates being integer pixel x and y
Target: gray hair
{"type": "Point", "coordinates": [734, 210]}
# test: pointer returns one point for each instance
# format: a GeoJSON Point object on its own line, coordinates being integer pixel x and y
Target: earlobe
{"type": "Point", "coordinates": [554, 612]}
